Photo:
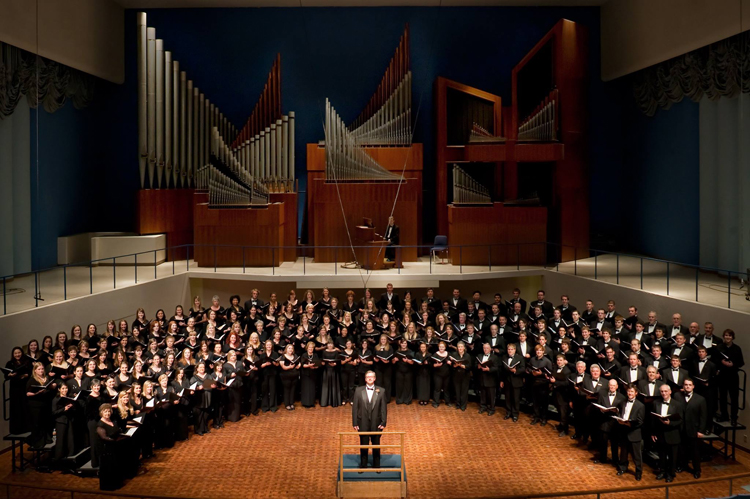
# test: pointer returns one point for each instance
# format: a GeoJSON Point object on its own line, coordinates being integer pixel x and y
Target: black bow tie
{"type": "Point", "coordinates": [630, 401]}
{"type": "Point", "coordinates": [665, 403]}
{"type": "Point", "coordinates": [652, 382]}
{"type": "Point", "coordinates": [633, 368]}
{"type": "Point", "coordinates": [675, 369]}
{"type": "Point", "coordinates": [369, 388]}
{"type": "Point", "coordinates": [702, 361]}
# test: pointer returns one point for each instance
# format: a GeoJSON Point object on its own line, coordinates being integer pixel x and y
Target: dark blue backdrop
{"type": "Point", "coordinates": [88, 166]}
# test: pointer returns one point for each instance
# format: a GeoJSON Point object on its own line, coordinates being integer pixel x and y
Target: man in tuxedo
{"type": "Point", "coordinates": [632, 317]}
{"type": "Point", "coordinates": [514, 367]}
{"type": "Point", "coordinates": [589, 314]}
{"type": "Point", "coordinates": [650, 386]}
{"type": "Point", "coordinates": [653, 323]}
{"type": "Point", "coordinates": [694, 426]}
{"type": "Point", "coordinates": [631, 439]}
{"type": "Point", "coordinates": [476, 298]}
{"type": "Point", "coordinates": [607, 434]}
{"type": "Point", "coordinates": [599, 322]}
{"type": "Point", "coordinates": [481, 323]}
{"type": "Point", "coordinates": [632, 373]}
{"type": "Point", "coordinates": [709, 340]}
{"type": "Point", "coordinates": [566, 309]}
{"type": "Point", "coordinates": [667, 432]}
{"type": "Point", "coordinates": [547, 306]}
{"type": "Point", "coordinates": [369, 413]}
{"type": "Point", "coordinates": [392, 234]}
{"type": "Point", "coordinates": [254, 301]}
{"type": "Point", "coordinates": [681, 349]}
{"type": "Point", "coordinates": [389, 296]}
{"type": "Point", "coordinates": [590, 416]}
{"type": "Point", "coordinates": [703, 372]}
{"type": "Point", "coordinates": [487, 365]}
{"type": "Point", "coordinates": [433, 302]}
{"type": "Point", "coordinates": [456, 303]}
{"type": "Point", "coordinates": [610, 314]}
{"type": "Point", "coordinates": [675, 375]}
{"type": "Point", "coordinates": [730, 360]}
{"type": "Point", "coordinates": [677, 327]}
{"type": "Point", "coordinates": [517, 299]}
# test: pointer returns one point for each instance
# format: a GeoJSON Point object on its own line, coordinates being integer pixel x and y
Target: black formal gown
{"type": "Point", "coordinates": [181, 410]}
{"type": "Point", "coordinates": [348, 376]}
{"type": "Point", "coordinates": [268, 376]}
{"type": "Point", "coordinates": [308, 377]}
{"type": "Point", "coordinates": [111, 474]}
{"type": "Point", "coordinates": [384, 371]}
{"type": "Point", "coordinates": [423, 376]}
{"type": "Point", "coordinates": [441, 378]}
{"type": "Point", "coordinates": [40, 415]}
{"type": "Point", "coordinates": [22, 370]}
{"type": "Point", "coordinates": [201, 403]}
{"type": "Point", "coordinates": [250, 384]}
{"type": "Point", "coordinates": [330, 393]}
{"type": "Point", "coordinates": [234, 392]}
{"type": "Point", "coordinates": [91, 410]}
{"type": "Point", "coordinates": [404, 377]}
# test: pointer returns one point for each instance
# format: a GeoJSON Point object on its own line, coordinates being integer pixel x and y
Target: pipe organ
{"type": "Point", "coordinates": [466, 190]}
{"type": "Point", "coordinates": [385, 121]}
{"type": "Point", "coordinates": [265, 145]}
{"type": "Point", "coordinates": [174, 117]}
{"type": "Point", "coordinates": [479, 134]}
{"type": "Point", "coordinates": [541, 125]}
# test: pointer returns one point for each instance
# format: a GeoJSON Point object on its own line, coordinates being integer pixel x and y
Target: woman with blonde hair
{"type": "Point", "coordinates": [384, 356]}
{"type": "Point", "coordinates": [39, 396]}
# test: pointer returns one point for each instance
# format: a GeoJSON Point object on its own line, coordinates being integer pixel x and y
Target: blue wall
{"type": "Point", "coordinates": [88, 164]}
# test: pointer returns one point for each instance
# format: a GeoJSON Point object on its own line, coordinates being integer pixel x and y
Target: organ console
{"type": "Point", "coordinates": [366, 167]}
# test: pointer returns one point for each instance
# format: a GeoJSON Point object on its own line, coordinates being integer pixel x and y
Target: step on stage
{"type": "Point", "coordinates": [371, 483]}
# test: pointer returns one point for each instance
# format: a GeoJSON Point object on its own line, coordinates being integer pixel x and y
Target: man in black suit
{"type": "Point", "coordinates": [547, 306]}
{"type": "Point", "coordinates": [566, 309]}
{"type": "Point", "coordinates": [681, 349]}
{"type": "Point", "coordinates": [392, 235]}
{"type": "Point", "coordinates": [653, 323]}
{"type": "Point", "coordinates": [650, 386]}
{"type": "Point", "coordinates": [589, 314]}
{"type": "Point", "coordinates": [730, 360]}
{"type": "Point", "coordinates": [609, 398]}
{"type": "Point", "coordinates": [456, 303]}
{"type": "Point", "coordinates": [610, 314]}
{"type": "Point", "coordinates": [433, 302]}
{"type": "Point", "coordinates": [517, 299]}
{"type": "Point", "coordinates": [487, 365]}
{"type": "Point", "coordinates": [675, 375]}
{"type": "Point", "coordinates": [482, 323]}
{"type": "Point", "coordinates": [633, 412]}
{"type": "Point", "coordinates": [677, 327]}
{"type": "Point", "coordinates": [590, 417]}
{"type": "Point", "coordinates": [694, 427]}
{"type": "Point", "coordinates": [632, 373]}
{"type": "Point", "coordinates": [389, 296]}
{"type": "Point", "coordinates": [703, 372]}
{"type": "Point", "coordinates": [709, 340]}
{"type": "Point", "coordinates": [512, 379]}
{"type": "Point", "coordinates": [369, 413]}
{"type": "Point", "coordinates": [667, 432]}
{"type": "Point", "coordinates": [254, 301]}
{"type": "Point", "coordinates": [478, 303]}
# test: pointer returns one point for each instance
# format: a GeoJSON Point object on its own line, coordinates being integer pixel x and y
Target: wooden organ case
{"type": "Point", "coordinates": [357, 172]}
{"type": "Point", "coordinates": [531, 156]}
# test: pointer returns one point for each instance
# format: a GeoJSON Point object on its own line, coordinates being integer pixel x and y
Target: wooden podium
{"type": "Point", "coordinates": [369, 250]}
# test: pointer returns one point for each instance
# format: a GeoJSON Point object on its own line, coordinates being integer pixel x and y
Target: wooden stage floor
{"type": "Point", "coordinates": [449, 454]}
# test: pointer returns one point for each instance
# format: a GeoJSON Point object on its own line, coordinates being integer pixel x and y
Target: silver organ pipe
{"type": "Point", "coordinates": [272, 152]}
{"type": "Point", "coordinates": [346, 159]}
{"type": "Point", "coordinates": [466, 190]}
{"type": "Point", "coordinates": [267, 152]}
{"type": "Point", "coordinates": [159, 66]}
{"type": "Point", "coordinates": [175, 121]}
{"type": "Point", "coordinates": [151, 54]}
{"type": "Point", "coordinates": [480, 134]}
{"type": "Point", "coordinates": [167, 118]}
{"type": "Point", "coordinates": [174, 118]}
{"type": "Point", "coordinates": [142, 96]}
{"type": "Point", "coordinates": [541, 125]}
{"type": "Point", "coordinates": [291, 163]}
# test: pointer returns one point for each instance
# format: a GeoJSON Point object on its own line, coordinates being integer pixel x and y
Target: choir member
{"type": "Point", "coordinates": [632, 414]}
{"type": "Point", "coordinates": [201, 386]}
{"type": "Point", "coordinates": [268, 369]}
{"type": "Point", "coordinates": [233, 369]}
{"type": "Point", "coordinates": [91, 410]}
{"type": "Point", "coordinates": [423, 375]}
{"type": "Point", "coordinates": [667, 432]}
{"type": "Point", "coordinates": [290, 365]}
{"type": "Point", "coordinates": [250, 384]}
{"type": "Point", "coordinates": [608, 400]}
{"type": "Point", "coordinates": [110, 469]}
{"type": "Point", "coordinates": [441, 376]}
{"type": "Point", "coordinates": [383, 366]}
{"type": "Point", "coordinates": [540, 367]}
{"type": "Point", "coordinates": [330, 394]}
{"type": "Point", "coordinates": [695, 426]}
{"type": "Point", "coordinates": [164, 413]}
{"type": "Point", "coordinates": [366, 360]}
{"type": "Point", "coordinates": [40, 389]}
{"type": "Point", "coordinates": [461, 372]}
{"type": "Point", "coordinates": [349, 363]}
{"type": "Point", "coordinates": [512, 379]}
{"type": "Point", "coordinates": [308, 372]}
{"type": "Point", "coordinates": [181, 387]}
{"type": "Point", "coordinates": [17, 371]}
{"type": "Point", "coordinates": [730, 362]}
{"type": "Point", "coordinates": [404, 367]}
{"type": "Point", "coordinates": [219, 395]}
{"type": "Point", "coordinates": [703, 373]}
{"type": "Point", "coordinates": [64, 413]}
{"type": "Point", "coordinates": [561, 392]}
{"type": "Point", "coordinates": [488, 369]}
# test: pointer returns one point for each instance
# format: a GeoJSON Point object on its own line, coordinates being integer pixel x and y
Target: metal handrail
{"type": "Point", "coordinates": [86, 492]}
{"type": "Point", "coordinates": [550, 259]}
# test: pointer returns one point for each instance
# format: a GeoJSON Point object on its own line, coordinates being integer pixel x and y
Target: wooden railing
{"type": "Point", "coordinates": [342, 446]}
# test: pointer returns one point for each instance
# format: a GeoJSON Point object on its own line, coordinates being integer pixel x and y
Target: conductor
{"type": "Point", "coordinates": [369, 413]}
{"type": "Point", "coordinates": [392, 236]}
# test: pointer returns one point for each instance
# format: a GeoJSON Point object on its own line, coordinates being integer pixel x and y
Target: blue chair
{"type": "Point", "coordinates": [439, 246]}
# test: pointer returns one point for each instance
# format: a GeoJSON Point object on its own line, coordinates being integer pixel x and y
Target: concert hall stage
{"type": "Point", "coordinates": [449, 454]}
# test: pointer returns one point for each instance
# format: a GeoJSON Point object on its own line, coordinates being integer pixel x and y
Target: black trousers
{"type": "Point", "coordinates": [691, 451]}
{"type": "Point", "coordinates": [540, 396]}
{"type": "Point", "coordinates": [561, 401]}
{"type": "Point", "coordinates": [668, 455]}
{"type": "Point", "coordinates": [365, 440]}
{"type": "Point", "coordinates": [512, 399]}
{"type": "Point", "coordinates": [404, 387]}
{"type": "Point", "coordinates": [634, 448]}
{"type": "Point", "coordinates": [268, 388]}
{"type": "Point", "coordinates": [64, 440]}
{"type": "Point", "coordinates": [605, 438]}
{"type": "Point", "coordinates": [729, 385]}
{"type": "Point", "coordinates": [461, 386]}
{"type": "Point", "coordinates": [201, 419]}
{"type": "Point", "coordinates": [289, 383]}
{"type": "Point", "coordinates": [348, 381]}
{"type": "Point", "coordinates": [487, 398]}
{"type": "Point", "coordinates": [441, 384]}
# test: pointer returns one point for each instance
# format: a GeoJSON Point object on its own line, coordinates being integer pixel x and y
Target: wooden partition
{"type": "Point", "coordinates": [291, 215]}
{"type": "Point", "coordinates": [236, 227]}
{"type": "Point", "coordinates": [170, 212]}
{"type": "Point", "coordinates": [498, 225]}
{"type": "Point", "coordinates": [374, 200]}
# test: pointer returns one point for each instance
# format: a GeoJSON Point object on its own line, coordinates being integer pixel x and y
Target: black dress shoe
{"type": "Point", "coordinates": [543, 423]}
{"type": "Point", "coordinates": [697, 474]}
{"type": "Point", "coordinates": [450, 405]}
{"type": "Point", "coordinates": [661, 476]}
{"type": "Point", "coordinates": [533, 422]}
{"type": "Point", "coordinates": [481, 411]}
{"type": "Point", "coordinates": [515, 419]}
{"type": "Point", "coordinates": [678, 470]}
{"type": "Point", "coordinates": [491, 413]}
{"type": "Point", "coordinates": [620, 472]}
{"type": "Point", "coordinates": [669, 479]}
{"type": "Point", "coordinates": [562, 434]}
{"type": "Point", "coordinates": [435, 404]}
{"type": "Point", "coordinates": [600, 461]}
{"type": "Point", "coordinates": [638, 475]}
{"type": "Point", "coordinates": [507, 416]}
{"type": "Point", "coordinates": [575, 436]}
